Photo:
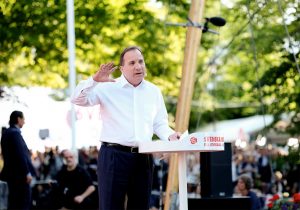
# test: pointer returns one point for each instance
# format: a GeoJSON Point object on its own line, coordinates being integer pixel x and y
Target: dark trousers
{"type": "Point", "coordinates": [124, 174]}
{"type": "Point", "coordinates": [19, 196]}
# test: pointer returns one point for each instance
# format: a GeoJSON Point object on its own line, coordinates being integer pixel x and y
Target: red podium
{"type": "Point", "coordinates": [195, 142]}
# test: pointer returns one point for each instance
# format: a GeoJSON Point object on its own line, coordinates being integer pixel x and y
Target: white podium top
{"type": "Point", "coordinates": [195, 142]}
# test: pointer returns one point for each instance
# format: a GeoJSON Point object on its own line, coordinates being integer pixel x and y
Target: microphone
{"type": "Point", "coordinates": [217, 21]}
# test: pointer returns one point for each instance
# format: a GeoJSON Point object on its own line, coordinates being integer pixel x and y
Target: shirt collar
{"type": "Point", "coordinates": [124, 83]}
{"type": "Point", "coordinates": [16, 127]}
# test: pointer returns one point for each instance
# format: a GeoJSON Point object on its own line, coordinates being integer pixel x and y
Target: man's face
{"type": "Point", "coordinates": [69, 159]}
{"type": "Point", "coordinates": [134, 68]}
{"type": "Point", "coordinates": [21, 121]}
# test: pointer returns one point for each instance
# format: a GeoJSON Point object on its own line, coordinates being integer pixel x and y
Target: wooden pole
{"type": "Point", "coordinates": [193, 37]}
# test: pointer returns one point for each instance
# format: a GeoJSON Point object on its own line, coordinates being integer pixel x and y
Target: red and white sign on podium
{"type": "Point", "coordinates": [195, 142]}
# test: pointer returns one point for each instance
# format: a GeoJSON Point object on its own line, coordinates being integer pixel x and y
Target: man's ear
{"type": "Point", "coordinates": [121, 68]}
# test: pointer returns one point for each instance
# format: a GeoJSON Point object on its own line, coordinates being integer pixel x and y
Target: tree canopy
{"type": "Point", "coordinates": [250, 68]}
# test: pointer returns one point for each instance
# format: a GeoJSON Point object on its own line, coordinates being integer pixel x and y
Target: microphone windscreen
{"type": "Point", "coordinates": [217, 21]}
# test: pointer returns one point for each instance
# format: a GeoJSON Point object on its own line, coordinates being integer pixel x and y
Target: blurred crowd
{"type": "Point", "coordinates": [269, 168]}
{"type": "Point", "coordinates": [269, 175]}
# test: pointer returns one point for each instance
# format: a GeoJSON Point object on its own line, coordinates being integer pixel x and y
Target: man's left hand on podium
{"type": "Point", "coordinates": [175, 136]}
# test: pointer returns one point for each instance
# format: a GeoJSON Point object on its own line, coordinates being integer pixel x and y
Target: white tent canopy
{"type": "Point", "coordinates": [42, 112]}
{"type": "Point", "coordinates": [234, 129]}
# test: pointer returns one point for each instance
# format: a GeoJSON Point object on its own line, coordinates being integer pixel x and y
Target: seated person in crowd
{"type": "Point", "coordinates": [244, 186]}
{"type": "Point", "coordinates": [74, 184]}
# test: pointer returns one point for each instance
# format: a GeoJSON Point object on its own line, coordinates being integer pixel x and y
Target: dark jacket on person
{"type": "Point", "coordinates": [16, 157]}
{"type": "Point", "coordinates": [255, 201]}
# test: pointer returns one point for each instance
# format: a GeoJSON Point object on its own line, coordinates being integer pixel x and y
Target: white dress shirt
{"type": "Point", "coordinates": [129, 114]}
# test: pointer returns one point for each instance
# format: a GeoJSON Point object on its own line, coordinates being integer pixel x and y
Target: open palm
{"type": "Point", "coordinates": [104, 72]}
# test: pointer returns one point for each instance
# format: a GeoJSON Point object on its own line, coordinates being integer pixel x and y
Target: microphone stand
{"type": "Point", "coordinates": [197, 25]}
{"type": "Point", "coordinates": [204, 27]}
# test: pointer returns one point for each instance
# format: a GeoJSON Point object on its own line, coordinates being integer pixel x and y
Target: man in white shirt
{"type": "Point", "coordinates": [132, 110]}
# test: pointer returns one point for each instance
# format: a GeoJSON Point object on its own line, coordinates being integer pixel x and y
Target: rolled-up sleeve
{"type": "Point", "coordinates": [161, 124]}
{"type": "Point", "coordinates": [84, 93]}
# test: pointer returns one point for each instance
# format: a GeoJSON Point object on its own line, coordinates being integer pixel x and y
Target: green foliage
{"type": "Point", "coordinates": [252, 51]}
{"type": "Point", "coordinates": [34, 45]}
{"type": "Point", "coordinates": [247, 69]}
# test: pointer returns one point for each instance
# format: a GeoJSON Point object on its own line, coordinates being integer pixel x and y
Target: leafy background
{"type": "Point", "coordinates": [248, 69]}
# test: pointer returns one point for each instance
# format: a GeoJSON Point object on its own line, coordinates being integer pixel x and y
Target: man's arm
{"type": "Point", "coordinates": [83, 94]}
{"type": "Point", "coordinates": [161, 124]}
{"type": "Point", "coordinates": [87, 192]}
{"type": "Point", "coordinates": [22, 157]}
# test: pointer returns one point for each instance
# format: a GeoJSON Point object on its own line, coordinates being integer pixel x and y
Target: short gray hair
{"type": "Point", "coordinates": [73, 153]}
{"type": "Point", "coordinates": [247, 180]}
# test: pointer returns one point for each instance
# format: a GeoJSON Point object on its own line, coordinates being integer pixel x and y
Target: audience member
{"type": "Point", "coordinates": [18, 170]}
{"type": "Point", "coordinates": [265, 171]}
{"type": "Point", "coordinates": [75, 185]}
{"type": "Point", "coordinates": [244, 186]}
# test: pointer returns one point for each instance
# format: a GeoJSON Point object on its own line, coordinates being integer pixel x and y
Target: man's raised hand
{"type": "Point", "coordinates": [103, 73]}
